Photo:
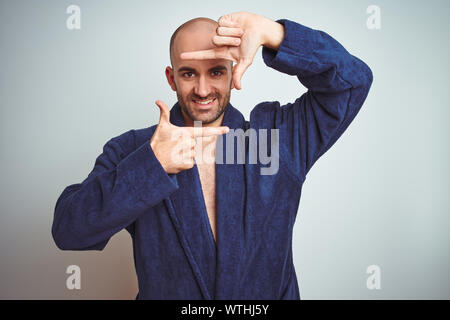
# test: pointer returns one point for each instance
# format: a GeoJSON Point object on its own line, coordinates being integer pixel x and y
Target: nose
{"type": "Point", "coordinates": [202, 87]}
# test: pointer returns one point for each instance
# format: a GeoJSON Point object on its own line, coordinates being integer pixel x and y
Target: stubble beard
{"type": "Point", "coordinates": [215, 114]}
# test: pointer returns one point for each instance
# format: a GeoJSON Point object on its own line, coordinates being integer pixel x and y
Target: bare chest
{"type": "Point", "coordinates": [207, 173]}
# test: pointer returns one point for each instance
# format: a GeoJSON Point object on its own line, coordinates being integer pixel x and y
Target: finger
{"type": "Point", "coordinates": [214, 131]}
{"type": "Point", "coordinates": [230, 32]}
{"type": "Point", "coordinates": [216, 53]}
{"type": "Point", "coordinates": [210, 131]}
{"type": "Point", "coordinates": [207, 139]}
{"type": "Point", "coordinates": [238, 72]}
{"type": "Point", "coordinates": [178, 134]}
{"type": "Point", "coordinates": [226, 21]}
{"type": "Point", "coordinates": [226, 41]}
{"type": "Point", "coordinates": [184, 156]}
{"type": "Point", "coordinates": [232, 82]}
{"type": "Point", "coordinates": [200, 55]}
{"type": "Point", "coordinates": [188, 147]}
{"type": "Point", "coordinates": [164, 115]}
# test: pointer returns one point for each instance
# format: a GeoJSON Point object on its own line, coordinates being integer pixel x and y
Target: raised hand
{"type": "Point", "coordinates": [238, 38]}
{"type": "Point", "coordinates": [174, 146]}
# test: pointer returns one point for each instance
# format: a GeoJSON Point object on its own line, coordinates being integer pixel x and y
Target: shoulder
{"type": "Point", "coordinates": [130, 140]}
{"type": "Point", "coordinates": [143, 135]}
{"type": "Point", "coordinates": [264, 114]}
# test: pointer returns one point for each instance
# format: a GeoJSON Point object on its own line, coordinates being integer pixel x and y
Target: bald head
{"type": "Point", "coordinates": [193, 35]}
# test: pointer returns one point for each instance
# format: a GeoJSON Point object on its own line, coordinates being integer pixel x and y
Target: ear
{"type": "Point", "coordinates": [170, 78]}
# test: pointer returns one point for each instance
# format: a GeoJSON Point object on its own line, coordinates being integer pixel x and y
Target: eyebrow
{"type": "Point", "coordinates": [215, 68]}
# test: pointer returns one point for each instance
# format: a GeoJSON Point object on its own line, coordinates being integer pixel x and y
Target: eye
{"type": "Point", "coordinates": [188, 74]}
{"type": "Point", "coordinates": [216, 73]}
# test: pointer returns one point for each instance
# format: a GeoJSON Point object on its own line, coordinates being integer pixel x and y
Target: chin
{"type": "Point", "coordinates": [205, 119]}
{"type": "Point", "coordinates": [206, 116]}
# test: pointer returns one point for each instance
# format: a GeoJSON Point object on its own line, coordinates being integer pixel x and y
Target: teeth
{"type": "Point", "coordinates": [205, 102]}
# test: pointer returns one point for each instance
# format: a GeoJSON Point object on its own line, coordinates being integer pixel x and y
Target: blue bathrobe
{"type": "Point", "coordinates": [175, 254]}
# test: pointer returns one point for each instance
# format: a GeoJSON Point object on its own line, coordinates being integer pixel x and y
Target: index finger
{"type": "Point", "coordinates": [210, 131]}
{"type": "Point", "coordinates": [200, 55]}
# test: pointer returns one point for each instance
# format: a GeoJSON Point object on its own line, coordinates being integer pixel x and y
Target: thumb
{"type": "Point", "coordinates": [238, 72]}
{"type": "Point", "coordinates": [164, 115]}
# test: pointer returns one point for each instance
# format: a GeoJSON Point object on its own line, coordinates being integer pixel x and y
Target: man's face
{"type": "Point", "coordinates": [203, 86]}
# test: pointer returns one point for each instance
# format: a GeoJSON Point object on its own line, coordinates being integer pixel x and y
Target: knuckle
{"type": "Point", "coordinates": [247, 61]}
{"type": "Point", "coordinates": [190, 164]}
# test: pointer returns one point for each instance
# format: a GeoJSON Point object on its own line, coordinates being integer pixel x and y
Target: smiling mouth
{"type": "Point", "coordinates": [204, 103]}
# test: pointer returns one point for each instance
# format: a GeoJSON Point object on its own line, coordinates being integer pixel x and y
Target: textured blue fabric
{"type": "Point", "coordinates": [175, 254]}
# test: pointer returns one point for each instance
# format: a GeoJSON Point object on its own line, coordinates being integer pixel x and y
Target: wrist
{"type": "Point", "coordinates": [152, 144]}
{"type": "Point", "coordinates": [273, 34]}
{"type": "Point", "coordinates": [157, 155]}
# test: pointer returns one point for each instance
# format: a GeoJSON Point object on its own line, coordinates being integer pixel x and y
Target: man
{"type": "Point", "coordinates": [205, 230]}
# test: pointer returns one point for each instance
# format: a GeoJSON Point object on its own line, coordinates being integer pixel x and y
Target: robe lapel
{"type": "Point", "coordinates": [193, 224]}
{"type": "Point", "coordinates": [215, 266]}
{"type": "Point", "coordinates": [230, 199]}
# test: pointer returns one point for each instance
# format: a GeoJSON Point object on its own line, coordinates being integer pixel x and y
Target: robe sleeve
{"type": "Point", "coordinates": [337, 83]}
{"type": "Point", "coordinates": [121, 187]}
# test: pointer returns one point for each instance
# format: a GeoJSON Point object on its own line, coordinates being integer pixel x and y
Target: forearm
{"type": "Point", "coordinates": [320, 62]}
{"type": "Point", "coordinates": [337, 82]}
{"type": "Point", "coordinates": [114, 195]}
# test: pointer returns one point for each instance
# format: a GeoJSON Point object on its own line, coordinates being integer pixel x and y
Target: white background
{"type": "Point", "coordinates": [379, 196]}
